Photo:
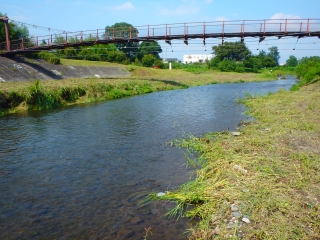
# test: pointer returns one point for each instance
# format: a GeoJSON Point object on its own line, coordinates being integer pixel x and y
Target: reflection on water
{"type": "Point", "coordinates": [80, 172]}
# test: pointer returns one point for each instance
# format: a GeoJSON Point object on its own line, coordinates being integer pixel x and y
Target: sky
{"type": "Point", "coordinates": [77, 15]}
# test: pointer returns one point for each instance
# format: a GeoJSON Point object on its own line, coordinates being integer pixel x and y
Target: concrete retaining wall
{"type": "Point", "coordinates": [18, 69]}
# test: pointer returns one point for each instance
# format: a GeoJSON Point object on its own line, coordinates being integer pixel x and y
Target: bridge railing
{"type": "Point", "coordinates": [243, 28]}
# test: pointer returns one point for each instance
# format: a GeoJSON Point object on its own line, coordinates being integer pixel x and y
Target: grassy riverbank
{"type": "Point", "coordinates": [38, 95]}
{"type": "Point", "coordinates": [264, 183]}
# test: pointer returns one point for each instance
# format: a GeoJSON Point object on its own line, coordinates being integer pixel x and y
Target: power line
{"type": "Point", "coordinates": [36, 26]}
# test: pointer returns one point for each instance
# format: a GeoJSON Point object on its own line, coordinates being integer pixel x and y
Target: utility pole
{"type": "Point", "coordinates": [5, 20]}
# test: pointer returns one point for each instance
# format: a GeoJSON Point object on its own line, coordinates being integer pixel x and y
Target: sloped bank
{"type": "Point", "coordinates": [19, 69]}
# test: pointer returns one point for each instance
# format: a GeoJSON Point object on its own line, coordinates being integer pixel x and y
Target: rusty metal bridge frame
{"type": "Point", "coordinates": [179, 31]}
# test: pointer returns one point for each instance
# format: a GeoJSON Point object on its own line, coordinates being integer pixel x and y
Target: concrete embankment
{"type": "Point", "coordinates": [20, 69]}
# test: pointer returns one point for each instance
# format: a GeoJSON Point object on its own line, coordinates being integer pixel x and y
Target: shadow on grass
{"type": "Point", "coordinates": [170, 82]}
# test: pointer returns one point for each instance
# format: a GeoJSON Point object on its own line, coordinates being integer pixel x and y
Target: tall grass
{"type": "Point", "coordinates": [38, 96]}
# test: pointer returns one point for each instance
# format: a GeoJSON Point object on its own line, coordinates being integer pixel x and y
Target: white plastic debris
{"type": "Point", "coordinates": [246, 220]}
{"type": "Point", "coordinates": [160, 194]}
{"type": "Point", "coordinates": [239, 168]}
{"type": "Point", "coordinates": [235, 133]}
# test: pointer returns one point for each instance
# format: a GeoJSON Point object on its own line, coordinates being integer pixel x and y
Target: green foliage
{"type": "Point", "coordinates": [242, 57]}
{"type": "Point", "coordinates": [268, 62]}
{"type": "Point", "coordinates": [148, 60]}
{"type": "Point", "coordinates": [236, 51]}
{"type": "Point", "coordinates": [17, 31]}
{"type": "Point", "coordinates": [227, 66]}
{"type": "Point", "coordinates": [254, 63]}
{"type": "Point", "coordinates": [292, 61]}
{"type": "Point", "coordinates": [240, 67]}
{"type": "Point", "coordinates": [49, 57]}
{"type": "Point", "coordinates": [150, 48]}
{"type": "Point", "coordinates": [10, 100]}
{"type": "Point", "coordinates": [124, 30]}
{"type": "Point", "coordinates": [308, 69]}
{"type": "Point", "coordinates": [71, 95]}
{"type": "Point", "coordinates": [274, 54]}
{"type": "Point", "coordinates": [213, 63]}
{"type": "Point", "coordinates": [159, 64]}
{"type": "Point", "coordinates": [39, 99]}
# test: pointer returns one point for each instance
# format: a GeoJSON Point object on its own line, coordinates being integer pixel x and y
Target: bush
{"type": "Point", "coordinates": [240, 68]}
{"type": "Point", "coordinates": [213, 63]}
{"type": "Point", "coordinates": [227, 66]}
{"type": "Point", "coordinates": [148, 60]}
{"type": "Point", "coordinates": [10, 100]}
{"type": "Point", "coordinates": [309, 69]}
{"type": "Point", "coordinates": [54, 60]}
{"type": "Point", "coordinates": [159, 63]}
{"type": "Point", "coordinates": [49, 57]}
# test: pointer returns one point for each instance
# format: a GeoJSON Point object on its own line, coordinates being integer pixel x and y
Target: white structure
{"type": "Point", "coordinates": [196, 58]}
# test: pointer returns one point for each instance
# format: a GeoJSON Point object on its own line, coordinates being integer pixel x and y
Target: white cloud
{"type": "Point", "coordinates": [284, 16]}
{"type": "Point", "coordinates": [125, 6]}
{"type": "Point", "coordinates": [181, 10]}
{"type": "Point", "coordinates": [221, 19]}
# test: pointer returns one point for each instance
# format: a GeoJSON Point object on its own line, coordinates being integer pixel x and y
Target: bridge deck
{"type": "Point", "coordinates": [181, 31]}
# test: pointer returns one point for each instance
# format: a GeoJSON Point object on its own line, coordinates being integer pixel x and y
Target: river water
{"type": "Point", "coordinates": [80, 172]}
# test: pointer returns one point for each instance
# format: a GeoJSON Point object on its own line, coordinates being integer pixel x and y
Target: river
{"type": "Point", "coordinates": [80, 172]}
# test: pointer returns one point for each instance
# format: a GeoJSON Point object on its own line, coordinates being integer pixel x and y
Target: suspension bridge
{"type": "Point", "coordinates": [241, 29]}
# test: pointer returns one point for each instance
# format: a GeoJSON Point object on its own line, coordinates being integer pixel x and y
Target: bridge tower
{"type": "Point", "coordinates": [5, 20]}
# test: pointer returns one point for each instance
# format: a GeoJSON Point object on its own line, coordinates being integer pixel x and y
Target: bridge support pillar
{"type": "Point", "coordinates": [5, 20]}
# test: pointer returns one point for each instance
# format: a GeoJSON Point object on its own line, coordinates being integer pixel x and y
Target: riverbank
{"type": "Point", "coordinates": [38, 95]}
{"type": "Point", "coordinates": [262, 182]}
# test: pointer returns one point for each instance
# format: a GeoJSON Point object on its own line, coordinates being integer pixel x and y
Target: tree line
{"type": "Point", "coordinates": [145, 53]}
{"type": "Point", "coordinates": [236, 57]}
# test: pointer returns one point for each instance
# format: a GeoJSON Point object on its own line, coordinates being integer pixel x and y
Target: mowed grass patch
{"type": "Point", "coordinates": [271, 172]}
{"type": "Point", "coordinates": [192, 79]}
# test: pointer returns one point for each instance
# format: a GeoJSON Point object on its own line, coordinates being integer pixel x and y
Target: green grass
{"type": "Point", "coordinates": [272, 172]}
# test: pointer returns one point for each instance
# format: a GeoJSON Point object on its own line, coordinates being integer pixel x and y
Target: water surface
{"type": "Point", "coordinates": [79, 172]}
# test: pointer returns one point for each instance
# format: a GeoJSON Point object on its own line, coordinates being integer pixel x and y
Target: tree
{"type": "Point", "coordinates": [262, 54]}
{"type": "Point", "coordinates": [254, 63]}
{"type": "Point", "coordinates": [16, 31]}
{"type": "Point", "coordinates": [292, 61]}
{"type": "Point", "coordinates": [268, 62]}
{"type": "Point", "coordinates": [227, 66]}
{"type": "Point", "coordinates": [308, 68]}
{"type": "Point", "coordinates": [124, 30]}
{"type": "Point", "coordinates": [150, 48]}
{"type": "Point", "coordinates": [274, 54]}
{"type": "Point", "coordinates": [148, 60]}
{"type": "Point", "coordinates": [236, 51]}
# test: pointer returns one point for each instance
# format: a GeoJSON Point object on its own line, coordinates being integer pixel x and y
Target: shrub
{"type": "Point", "coordinates": [308, 69]}
{"type": "Point", "coordinates": [159, 63]}
{"type": "Point", "coordinates": [49, 57]}
{"type": "Point", "coordinates": [240, 68]}
{"type": "Point", "coordinates": [227, 66]}
{"type": "Point", "coordinates": [148, 60]}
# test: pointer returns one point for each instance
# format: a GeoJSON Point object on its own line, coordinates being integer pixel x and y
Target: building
{"type": "Point", "coordinates": [196, 58]}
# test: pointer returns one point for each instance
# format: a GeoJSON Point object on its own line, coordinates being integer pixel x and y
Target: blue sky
{"type": "Point", "coordinates": [76, 15]}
